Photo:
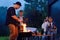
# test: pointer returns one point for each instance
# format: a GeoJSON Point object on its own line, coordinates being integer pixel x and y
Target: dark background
{"type": "Point", "coordinates": [35, 13]}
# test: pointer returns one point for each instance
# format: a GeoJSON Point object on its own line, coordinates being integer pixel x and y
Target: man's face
{"type": "Point", "coordinates": [17, 6]}
{"type": "Point", "coordinates": [50, 19]}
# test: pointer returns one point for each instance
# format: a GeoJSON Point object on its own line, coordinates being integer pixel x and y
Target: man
{"type": "Point", "coordinates": [12, 20]}
{"type": "Point", "coordinates": [51, 29]}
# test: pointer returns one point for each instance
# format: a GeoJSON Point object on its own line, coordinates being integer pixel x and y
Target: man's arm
{"type": "Point", "coordinates": [16, 18]}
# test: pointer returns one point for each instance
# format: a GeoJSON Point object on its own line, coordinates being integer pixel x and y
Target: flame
{"type": "Point", "coordinates": [24, 27]}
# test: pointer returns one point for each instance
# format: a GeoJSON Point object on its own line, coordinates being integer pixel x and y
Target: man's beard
{"type": "Point", "coordinates": [16, 8]}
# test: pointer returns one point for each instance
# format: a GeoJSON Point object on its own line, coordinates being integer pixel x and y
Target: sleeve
{"type": "Point", "coordinates": [12, 12]}
{"type": "Point", "coordinates": [42, 26]}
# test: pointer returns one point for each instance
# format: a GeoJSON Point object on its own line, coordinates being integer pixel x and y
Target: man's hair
{"type": "Point", "coordinates": [18, 3]}
{"type": "Point", "coordinates": [50, 17]}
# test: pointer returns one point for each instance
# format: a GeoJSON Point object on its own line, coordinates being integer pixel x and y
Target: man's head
{"type": "Point", "coordinates": [50, 19]}
{"type": "Point", "coordinates": [17, 5]}
{"type": "Point", "coordinates": [21, 12]}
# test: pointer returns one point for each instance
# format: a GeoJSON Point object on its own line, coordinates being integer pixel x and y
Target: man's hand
{"type": "Point", "coordinates": [16, 18]}
{"type": "Point", "coordinates": [20, 20]}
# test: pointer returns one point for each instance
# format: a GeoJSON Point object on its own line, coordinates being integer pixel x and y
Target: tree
{"type": "Point", "coordinates": [36, 11]}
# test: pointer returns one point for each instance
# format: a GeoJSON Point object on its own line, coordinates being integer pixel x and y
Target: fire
{"type": "Point", "coordinates": [24, 27]}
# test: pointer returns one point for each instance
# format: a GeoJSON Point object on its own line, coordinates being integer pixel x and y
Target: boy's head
{"type": "Point", "coordinates": [50, 19]}
{"type": "Point", "coordinates": [21, 12]}
{"type": "Point", "coordinates": [47, 18]}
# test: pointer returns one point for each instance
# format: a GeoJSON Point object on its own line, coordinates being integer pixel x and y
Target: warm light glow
{"type": "Point", "coordinates": [24, 27]}
{"type": "Point", "coordinates": [29, 30]}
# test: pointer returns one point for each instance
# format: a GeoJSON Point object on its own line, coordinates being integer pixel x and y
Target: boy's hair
{"type": "Point", "coordinates": [21, 11]}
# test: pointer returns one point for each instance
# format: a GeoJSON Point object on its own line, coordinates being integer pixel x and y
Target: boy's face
{"type": "Point", "coordinates": [50, 19]}
{"type": "Point", "coordinates": [21, 13]}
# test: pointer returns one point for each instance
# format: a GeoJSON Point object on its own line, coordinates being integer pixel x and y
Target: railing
{"type": "Point", "coordinates": [39, 37]}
